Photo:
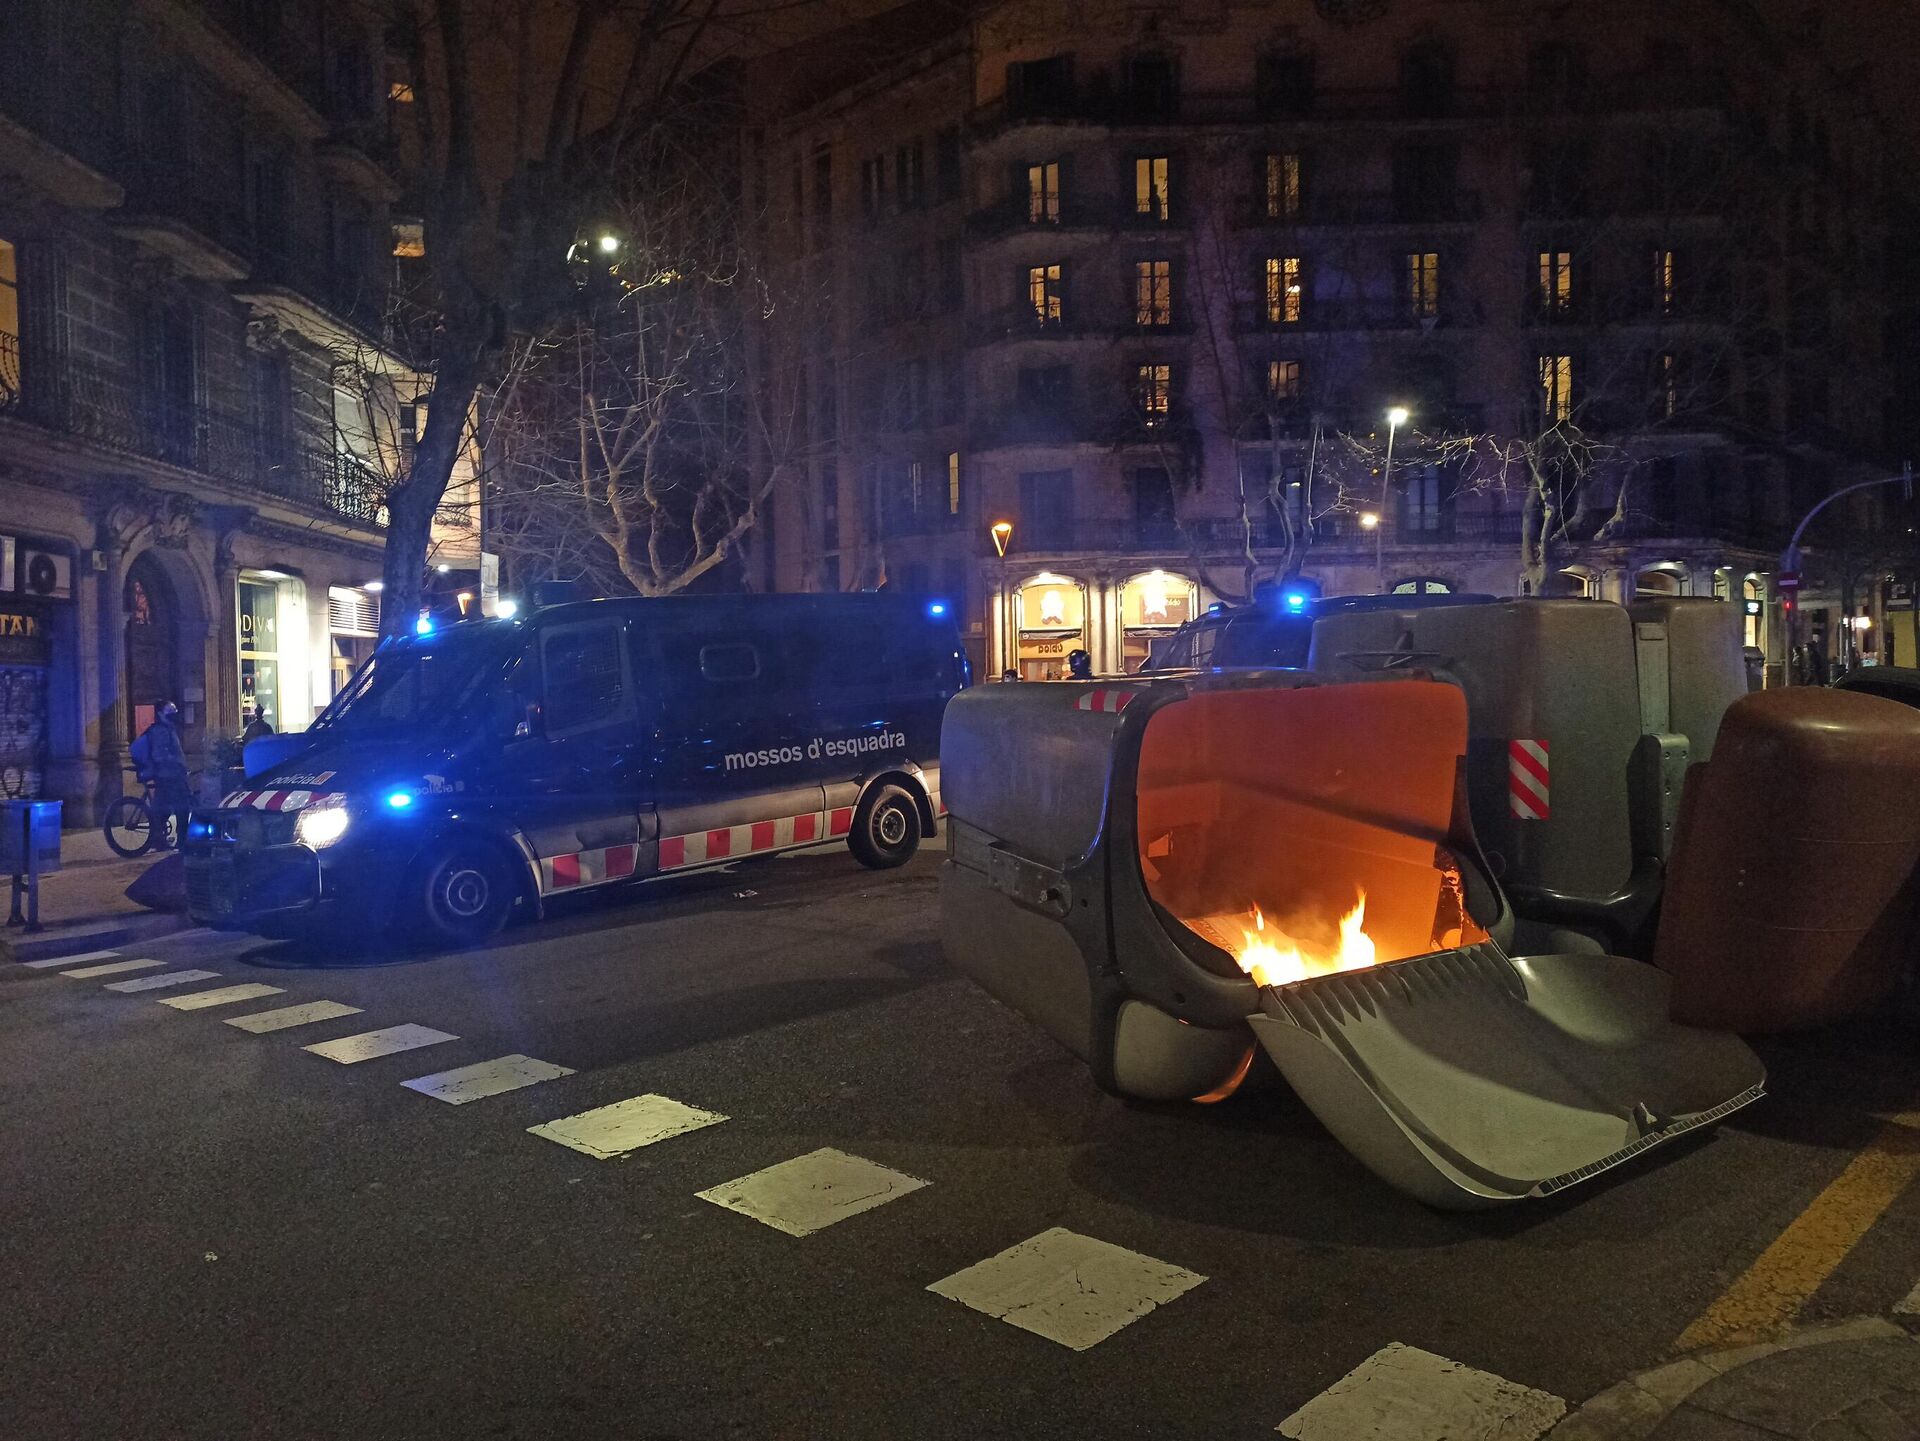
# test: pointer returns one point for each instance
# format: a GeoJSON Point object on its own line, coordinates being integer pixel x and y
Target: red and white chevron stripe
{"type": "Point", "coordinates": [278, 799]}
{"type": "Point", "coordinates": [699, 848]}
{"type": "Point", "coordinates": [1529, 789]}
{"type": "Point", "coordinates": [1105, 699]}
{"type": "Point", "coordinates": [586, 868]}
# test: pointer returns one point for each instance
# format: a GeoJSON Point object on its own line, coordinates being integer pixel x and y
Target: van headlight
{"type": "Point", "coordinates": [320, 826]}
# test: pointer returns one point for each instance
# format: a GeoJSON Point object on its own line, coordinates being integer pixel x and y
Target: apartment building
{"type": "Point", "coordinates": [1166, 302]}
{"type": "Point", "coordinates": [198, 412]}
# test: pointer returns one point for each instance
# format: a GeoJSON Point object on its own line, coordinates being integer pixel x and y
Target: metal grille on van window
{"type": "Point", "coordinates": [352, 612]}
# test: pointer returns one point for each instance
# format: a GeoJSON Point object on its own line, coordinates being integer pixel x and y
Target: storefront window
{"type": "Point", "coordinates": [260, 652]}
{"type": "Point", "coordinates": [1151, 606]}
{"type": "Point", "coordinates": [1053, 624]}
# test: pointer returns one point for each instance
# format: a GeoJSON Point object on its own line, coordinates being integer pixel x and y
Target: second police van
{"type": "Point", "coordinates": [466, 774]}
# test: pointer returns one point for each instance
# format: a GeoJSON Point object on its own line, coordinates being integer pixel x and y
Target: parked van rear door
{"type": "Point", "coordinates": [575, 776]}
{"type": "Point", "coordinates": [732, 774]}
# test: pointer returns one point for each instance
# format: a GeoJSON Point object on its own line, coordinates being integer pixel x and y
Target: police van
{"type": "Point", "coordinates": [468, 773]}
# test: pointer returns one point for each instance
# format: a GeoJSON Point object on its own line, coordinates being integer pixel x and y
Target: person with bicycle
{"type": "Point", "coordinates": [160, 761]}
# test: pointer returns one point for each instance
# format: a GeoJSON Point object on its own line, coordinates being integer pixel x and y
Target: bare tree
{"type": "Point", "coordinates": [500, 211]}
{"type": "Point", "coordinates": [639, 437]}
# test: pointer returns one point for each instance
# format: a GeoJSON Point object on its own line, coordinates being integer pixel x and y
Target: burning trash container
{"type": "Point", "coordinates": [1164, 874]}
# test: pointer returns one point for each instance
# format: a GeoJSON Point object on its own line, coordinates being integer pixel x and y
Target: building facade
{"type": "Point", "coordinates": [1133, 308]}
{"type": "Point", "coordinates": [197, 413]}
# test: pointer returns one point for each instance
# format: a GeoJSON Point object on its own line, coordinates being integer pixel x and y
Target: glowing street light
{"type": "Point", "coordinates": [609, 244]}
{"type": "Point", "coordinates": [1368, 520]}
{"type": "Point", "coordinates": [1396, 417]}
{"type": "Point", "coordinates": [1002, 532]}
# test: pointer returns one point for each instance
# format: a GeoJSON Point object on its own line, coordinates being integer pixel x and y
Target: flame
{"type": "Point", "coordinates": [1277, 959]}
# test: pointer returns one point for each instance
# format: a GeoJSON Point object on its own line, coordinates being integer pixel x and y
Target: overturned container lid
{"type": "Point", "coordinates": [1145, 867]}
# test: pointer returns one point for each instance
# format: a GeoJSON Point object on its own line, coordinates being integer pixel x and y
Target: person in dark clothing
{"type": "Point", "coordinates": [257, 725]}
{"type": "Point", "coordinates": [159, 760]}
{"type": "Point", "coordinates": [1079, 666]}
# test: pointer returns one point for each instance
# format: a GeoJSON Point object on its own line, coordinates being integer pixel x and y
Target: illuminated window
{"type": "Point", "coordinates": [1666, 380]}
{"type": "Point", "coordinates": [1153, 391]}
{"type": "Point", "coordinates": [1556, 281]}
{"type": "Point", "coordinates": [1663, 287]}
{"type": "Point", "coordinates": [1153, 292]}
{"type": "Point", "coordinates": [9, 323]}
{"type": "Point", "coordinates": [1284, 294]}
{"type": "Point", "coordinates": [400, 92]}
{"type": "Point", "coordinates": [1046, 293]}
{"type": "Point", "coordinates": [1283, 379]}
{"type": "Point", "coordinates": [1283, 187]}
{"type": "Point", "coordinates": [1151, 197]}
{"type": "Point", "coordinates": [1423, 283]}
{"type": "Point", "coordinates": [953, 482]}
{"type": "Point", "coordinates": [1556, 388]}
{"type": "Point", "coordinates": [1043, 193]}
{"type": "Point", "coordinates": [409, 239]}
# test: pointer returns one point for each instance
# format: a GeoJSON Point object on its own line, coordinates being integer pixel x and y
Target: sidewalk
{"type": "Point", "coordinates": [1850, 1381]}
{"type": "Point", "coordinates": [84, 905]}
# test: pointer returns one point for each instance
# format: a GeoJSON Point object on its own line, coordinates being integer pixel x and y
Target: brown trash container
{"type": "Point", "coordinates": [1791, 896]}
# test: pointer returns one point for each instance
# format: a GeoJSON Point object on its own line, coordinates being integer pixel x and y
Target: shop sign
{"type": "Point", "coordinates": [1899, 595]}
{"type": "Point", "coordinates": [21, 640]}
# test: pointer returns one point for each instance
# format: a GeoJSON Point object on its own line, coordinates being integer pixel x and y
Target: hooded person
{"type": "Point", "coordinates": [160, 760]}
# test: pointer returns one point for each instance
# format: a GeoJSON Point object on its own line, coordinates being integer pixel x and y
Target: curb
{"type": "Point", "coordinates": [1631, 1409]}
{"type": "Point", "coordinates": [111, 932]}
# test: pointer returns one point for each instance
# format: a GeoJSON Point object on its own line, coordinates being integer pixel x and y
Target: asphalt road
{"type": "Point", "coordinates": [210, 1233]}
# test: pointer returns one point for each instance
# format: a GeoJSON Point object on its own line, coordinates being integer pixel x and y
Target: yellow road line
{"type": "Point", "coordinates": [1771, 1291]}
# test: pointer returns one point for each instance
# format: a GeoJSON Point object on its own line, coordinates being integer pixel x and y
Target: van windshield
{"type": "Point", "coordinates": [414, 685]}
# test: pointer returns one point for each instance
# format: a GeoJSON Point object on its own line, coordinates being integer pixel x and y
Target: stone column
{"type": "Point", "coordinates": [223, 690]}
{"type": "Point", "coordinates": [111, 670]}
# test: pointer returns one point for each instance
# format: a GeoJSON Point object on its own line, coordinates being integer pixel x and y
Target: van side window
{"type": "Point", "coordinates": [729, 663]}
{"type": "Point", "coordinates": [587, 684]}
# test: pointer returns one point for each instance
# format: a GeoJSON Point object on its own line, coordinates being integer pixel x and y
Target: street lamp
{"type": "Point", "coordinates": [1002, 532]}
{"type": "Point", "coordinates": [1396, 417]}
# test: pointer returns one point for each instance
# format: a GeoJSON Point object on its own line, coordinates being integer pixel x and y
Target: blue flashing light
{"type": "Point", "coordinates": [1295, 600]}
{"type": "Point", "coordinates": [936, 608]}
{"type": "Point", "coordinates": [423, 626]}
{"type": "Point", "coordinates": [399, 800]}
{"type": "Point", "coordinates": [1216, 608]}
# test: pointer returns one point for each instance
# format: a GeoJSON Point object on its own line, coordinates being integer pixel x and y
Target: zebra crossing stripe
{"type": "Point", "coordinates": [486, 1078]}
{"type": "Point", "coordinates": [111, 968]}
{"type": "Point", "coordinates": [1402, 1391]}
{"type": "Point", "coordinates": [78, 958]}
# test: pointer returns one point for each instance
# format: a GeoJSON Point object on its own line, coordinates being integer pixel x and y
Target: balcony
{"type": "Point", "coordinates": [110, 411]}
{"type": "Point", "coordinates": [1024, 322]}
{"type": "Point", "coordinates": [1358, 313]}
{"type": "Point", "coordinates": [1013, 215]}
{"type": "Point", "coordinates": [1361, 208]}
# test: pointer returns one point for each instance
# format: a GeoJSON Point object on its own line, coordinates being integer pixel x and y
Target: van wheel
{"type": "Point", "coordinates": [464, 895]}
{"type": "Point", "coordinates": [886, 829]}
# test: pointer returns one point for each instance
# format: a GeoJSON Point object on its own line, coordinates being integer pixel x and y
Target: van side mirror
{"type": "Point", "coordinates": [531, 722]}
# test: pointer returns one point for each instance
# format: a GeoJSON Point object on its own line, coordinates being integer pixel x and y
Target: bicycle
{"type": "Point", "coordinates": [129, 826]}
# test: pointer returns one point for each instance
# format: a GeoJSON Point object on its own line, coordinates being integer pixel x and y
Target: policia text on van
{"type": "Point", "coordinates": [500, 762]}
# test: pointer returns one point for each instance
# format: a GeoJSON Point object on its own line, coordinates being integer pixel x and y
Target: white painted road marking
{"type": "Point", "coordinates": [1407, 1394]}
{"type": "Point", "coordinates": [371, 1045]}
{"type": "Point", "coordinates": [111, 968]}
{"type": "Point", "coordinates": [811, 1192]}
{"type": "Point", "coordinates": [1067, 1287]}
{"type": "Point", "coordinates": [224, 996]}
{"type": "Point", "coordinates": [609, 1131]}
{"type": "Point", "coordinates": [260, 1022]}
{"type": "Point", "coordinates": [78, 958]}
{"type": "Point", "coordinates": [154, 983]}
{"type": "Point", "coordinates": [486, 1078]}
